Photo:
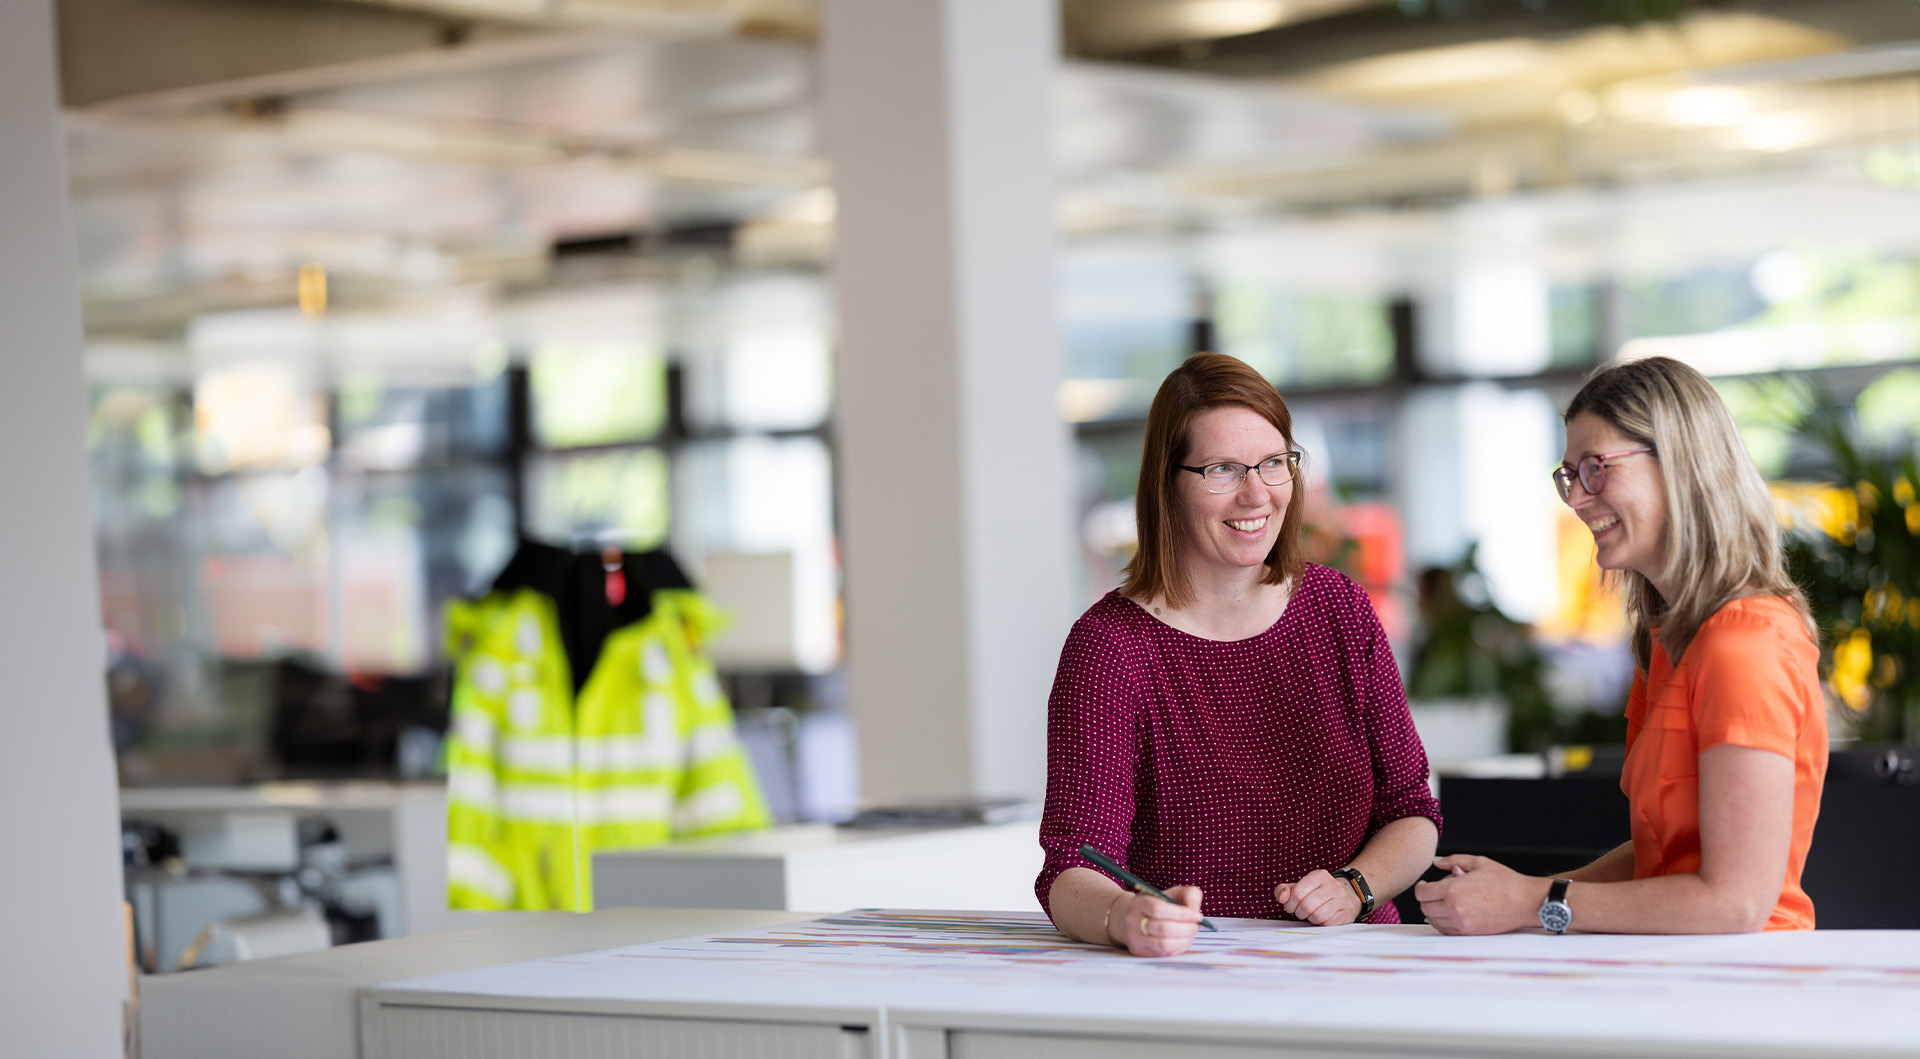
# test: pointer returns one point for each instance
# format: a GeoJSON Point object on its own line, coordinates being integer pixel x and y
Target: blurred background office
{"type": "Point", "coordinates": [373, 291]}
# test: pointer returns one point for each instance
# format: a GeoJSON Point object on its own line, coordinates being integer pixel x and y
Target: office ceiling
{"type": "Point", "coordinates": [421, 146]}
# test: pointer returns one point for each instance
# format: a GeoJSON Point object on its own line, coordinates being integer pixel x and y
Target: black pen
{"type": "Point", "coordinates": [1099, 860]}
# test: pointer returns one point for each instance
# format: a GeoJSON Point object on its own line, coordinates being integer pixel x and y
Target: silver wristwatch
{"type": "Point", "coordinates": [1554, 913]}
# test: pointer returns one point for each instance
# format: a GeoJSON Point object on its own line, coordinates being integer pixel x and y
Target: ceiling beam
{"type": "Point", "coordinates": [136, 57]}
{"type": "Point", "coordinates": [1366, 31]}
{"type": "Point", "coordinates": [114, 49]}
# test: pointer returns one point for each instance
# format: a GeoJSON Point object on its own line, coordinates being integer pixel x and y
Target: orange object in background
{"type": "Point", "coordinates": [1365, 541]}
{"type": "Point", "coordinates": [1588, 611]}
{"type": "Point", "coordinates": [266, 605]}
{"type": "Point", "coordinates": [1379, 560]}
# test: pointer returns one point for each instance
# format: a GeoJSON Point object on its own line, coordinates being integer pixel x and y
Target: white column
{"type": "Point", "coordinates": [1432, 477]}
{"type": "Point", "coordinates": [63, 978]}
{"type": "Point", "coordinates": [1475, 460]}
{"type": "Point", "coordinates": [956, 470]}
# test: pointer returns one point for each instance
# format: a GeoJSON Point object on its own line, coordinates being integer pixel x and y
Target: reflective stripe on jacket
{"type": "Point", "coordinates": [537, 781]}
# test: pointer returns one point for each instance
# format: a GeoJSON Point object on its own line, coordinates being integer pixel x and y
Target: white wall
{"type": "Point", "coordinates": [62, 975]}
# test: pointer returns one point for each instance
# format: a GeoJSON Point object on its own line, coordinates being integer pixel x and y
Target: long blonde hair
{"type": "Point", "coordinates": [1723, 539]}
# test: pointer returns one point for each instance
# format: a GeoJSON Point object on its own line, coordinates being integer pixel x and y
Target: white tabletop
{"type": "Point", "coordinates": [304, 1007]}
{"type": "Point", "coordinates": [1397, 989]}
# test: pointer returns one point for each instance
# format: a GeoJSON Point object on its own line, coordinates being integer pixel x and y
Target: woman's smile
{"type": "Point", "coordinates": [1253, 528]}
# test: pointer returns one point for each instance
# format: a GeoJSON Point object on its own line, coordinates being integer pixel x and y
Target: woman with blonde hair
{"type": "Point", "coordinates": [1229, 725]}
{"type": "Point", "coordinates": [1726, 724]}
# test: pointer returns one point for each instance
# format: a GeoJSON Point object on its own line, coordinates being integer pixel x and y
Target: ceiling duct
{"type": "Point", "coordinates": [671, 18]}
{"type": "Point", "coordinates": [1118, 27]}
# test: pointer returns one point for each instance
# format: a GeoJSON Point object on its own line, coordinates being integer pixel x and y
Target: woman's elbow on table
{"type": "Point", "coordinates": [1743, 909]}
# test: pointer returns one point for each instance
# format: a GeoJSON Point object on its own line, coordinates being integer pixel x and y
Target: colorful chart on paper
{"type": "Point", "coordinates": [1765, 989]}
{"type": "Point", "coordinates": [996, 945]}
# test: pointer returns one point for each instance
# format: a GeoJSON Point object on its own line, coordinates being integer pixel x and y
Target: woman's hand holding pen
{"type": "Point", "coordinates": [1147, 926]}
{"type": "Point", "coordinates": [1320, 899]}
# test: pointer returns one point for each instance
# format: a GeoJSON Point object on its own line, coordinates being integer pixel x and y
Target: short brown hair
{"type": "Point", "coordinates": [1206, 381]}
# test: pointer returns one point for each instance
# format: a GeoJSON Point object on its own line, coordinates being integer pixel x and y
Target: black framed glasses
{"type": "Point", "coordinates": [1226, 476]}
{"type": "Point", "coordinates": [1592, 472]}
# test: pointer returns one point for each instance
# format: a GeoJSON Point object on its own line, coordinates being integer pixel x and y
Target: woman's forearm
{"type": "Point", "coordinates": [1664, 904]}
{"type": "Point", "coordinates": [1491, 898]}
{"type": "Point", "coordinates": [1396, 855]}
{"type": "Point", "coordinates": [1081, 901]}
{"type": "Point", "coordinates": [1615, 865]}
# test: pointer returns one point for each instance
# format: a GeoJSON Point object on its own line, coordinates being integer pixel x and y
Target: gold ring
{"type": "Point", "coordinates": [1143, 928]}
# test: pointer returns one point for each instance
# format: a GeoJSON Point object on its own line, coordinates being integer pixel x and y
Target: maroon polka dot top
{"type": "Point", "coordinates": [1231, 766]}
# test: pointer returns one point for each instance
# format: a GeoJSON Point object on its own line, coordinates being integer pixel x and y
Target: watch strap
{"type": "Point", "coordinates": [1360, 889]}
{"type": "Point", "coordinates": [1555, 915]}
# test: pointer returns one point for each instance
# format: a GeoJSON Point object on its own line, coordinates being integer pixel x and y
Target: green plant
{"type": "Point", "coordinates": [1470, 647]}
{"type": "Point", "coordinates": [1855, 548]}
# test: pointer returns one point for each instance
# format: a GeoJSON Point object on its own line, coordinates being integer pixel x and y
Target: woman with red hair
{"type": "Point", "coordinates": [1229, 725]}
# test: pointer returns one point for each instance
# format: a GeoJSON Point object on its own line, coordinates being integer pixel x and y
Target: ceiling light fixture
{"type": "Point", "coordinates": [1231, 18]}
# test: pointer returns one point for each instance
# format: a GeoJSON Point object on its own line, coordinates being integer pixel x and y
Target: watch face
{"type": "Point", "coordinates": [1556, 916]}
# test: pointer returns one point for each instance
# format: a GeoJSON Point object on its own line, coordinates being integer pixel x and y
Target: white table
{"type": "Point", "coordinates": [957, 985]}
{"type": "Point", "coordinates": [821, 866]}
{"type": "Point", "coordinates": [303, 1007]}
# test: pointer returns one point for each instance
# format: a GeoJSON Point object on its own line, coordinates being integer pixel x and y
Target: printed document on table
{"type": "Point", "coordinates": [1764, 989]}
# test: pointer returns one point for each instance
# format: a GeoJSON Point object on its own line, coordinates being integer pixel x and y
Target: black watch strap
{"type": "Point", "coordinates": [1360, 888]}
{"type": "Point", "coordinates": [1554, 913]}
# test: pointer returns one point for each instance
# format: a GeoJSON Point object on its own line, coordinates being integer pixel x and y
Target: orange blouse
{"type": "Point", "coordinates": [1749, 678]}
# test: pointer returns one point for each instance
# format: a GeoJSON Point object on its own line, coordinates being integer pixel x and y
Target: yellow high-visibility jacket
{"type": "Point", "coordinates": [536, 781]}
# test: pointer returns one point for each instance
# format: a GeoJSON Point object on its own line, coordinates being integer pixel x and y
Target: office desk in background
{"type": "Point", "coordinates": [393, 835]}
{"type": "Point", "coordinates": [814, 866]}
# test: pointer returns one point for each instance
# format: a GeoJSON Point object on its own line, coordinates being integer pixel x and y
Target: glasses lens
{"type": "Point", "coordinates": [1593, 474]}
{"type": "Point", "coordinates": [1223, 477]}
{"type": "Point", "coordinates": [1278, 470]}
{"type": "Point", "coordinates": [1563, 481]}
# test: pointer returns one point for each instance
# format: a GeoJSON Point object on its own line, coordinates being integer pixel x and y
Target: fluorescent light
{"type": "Point", "coordinates": [1706, 107]}
{"type": "Point", "coordinates": [1780, 132]}
{"type": "Point", "coordinates": [1230, 18]}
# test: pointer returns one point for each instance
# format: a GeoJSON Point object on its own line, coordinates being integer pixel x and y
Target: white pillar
{"type": "Point", "coordinates": [1475, 461]}
{"type": "Point", "coordinates": [63, 978]}
{"type": "Point", "coordinates": [956, 470]}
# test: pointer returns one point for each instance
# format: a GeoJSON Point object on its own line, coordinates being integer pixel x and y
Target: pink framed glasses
{"type": "Point", "coordinates": [1592, 472]}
